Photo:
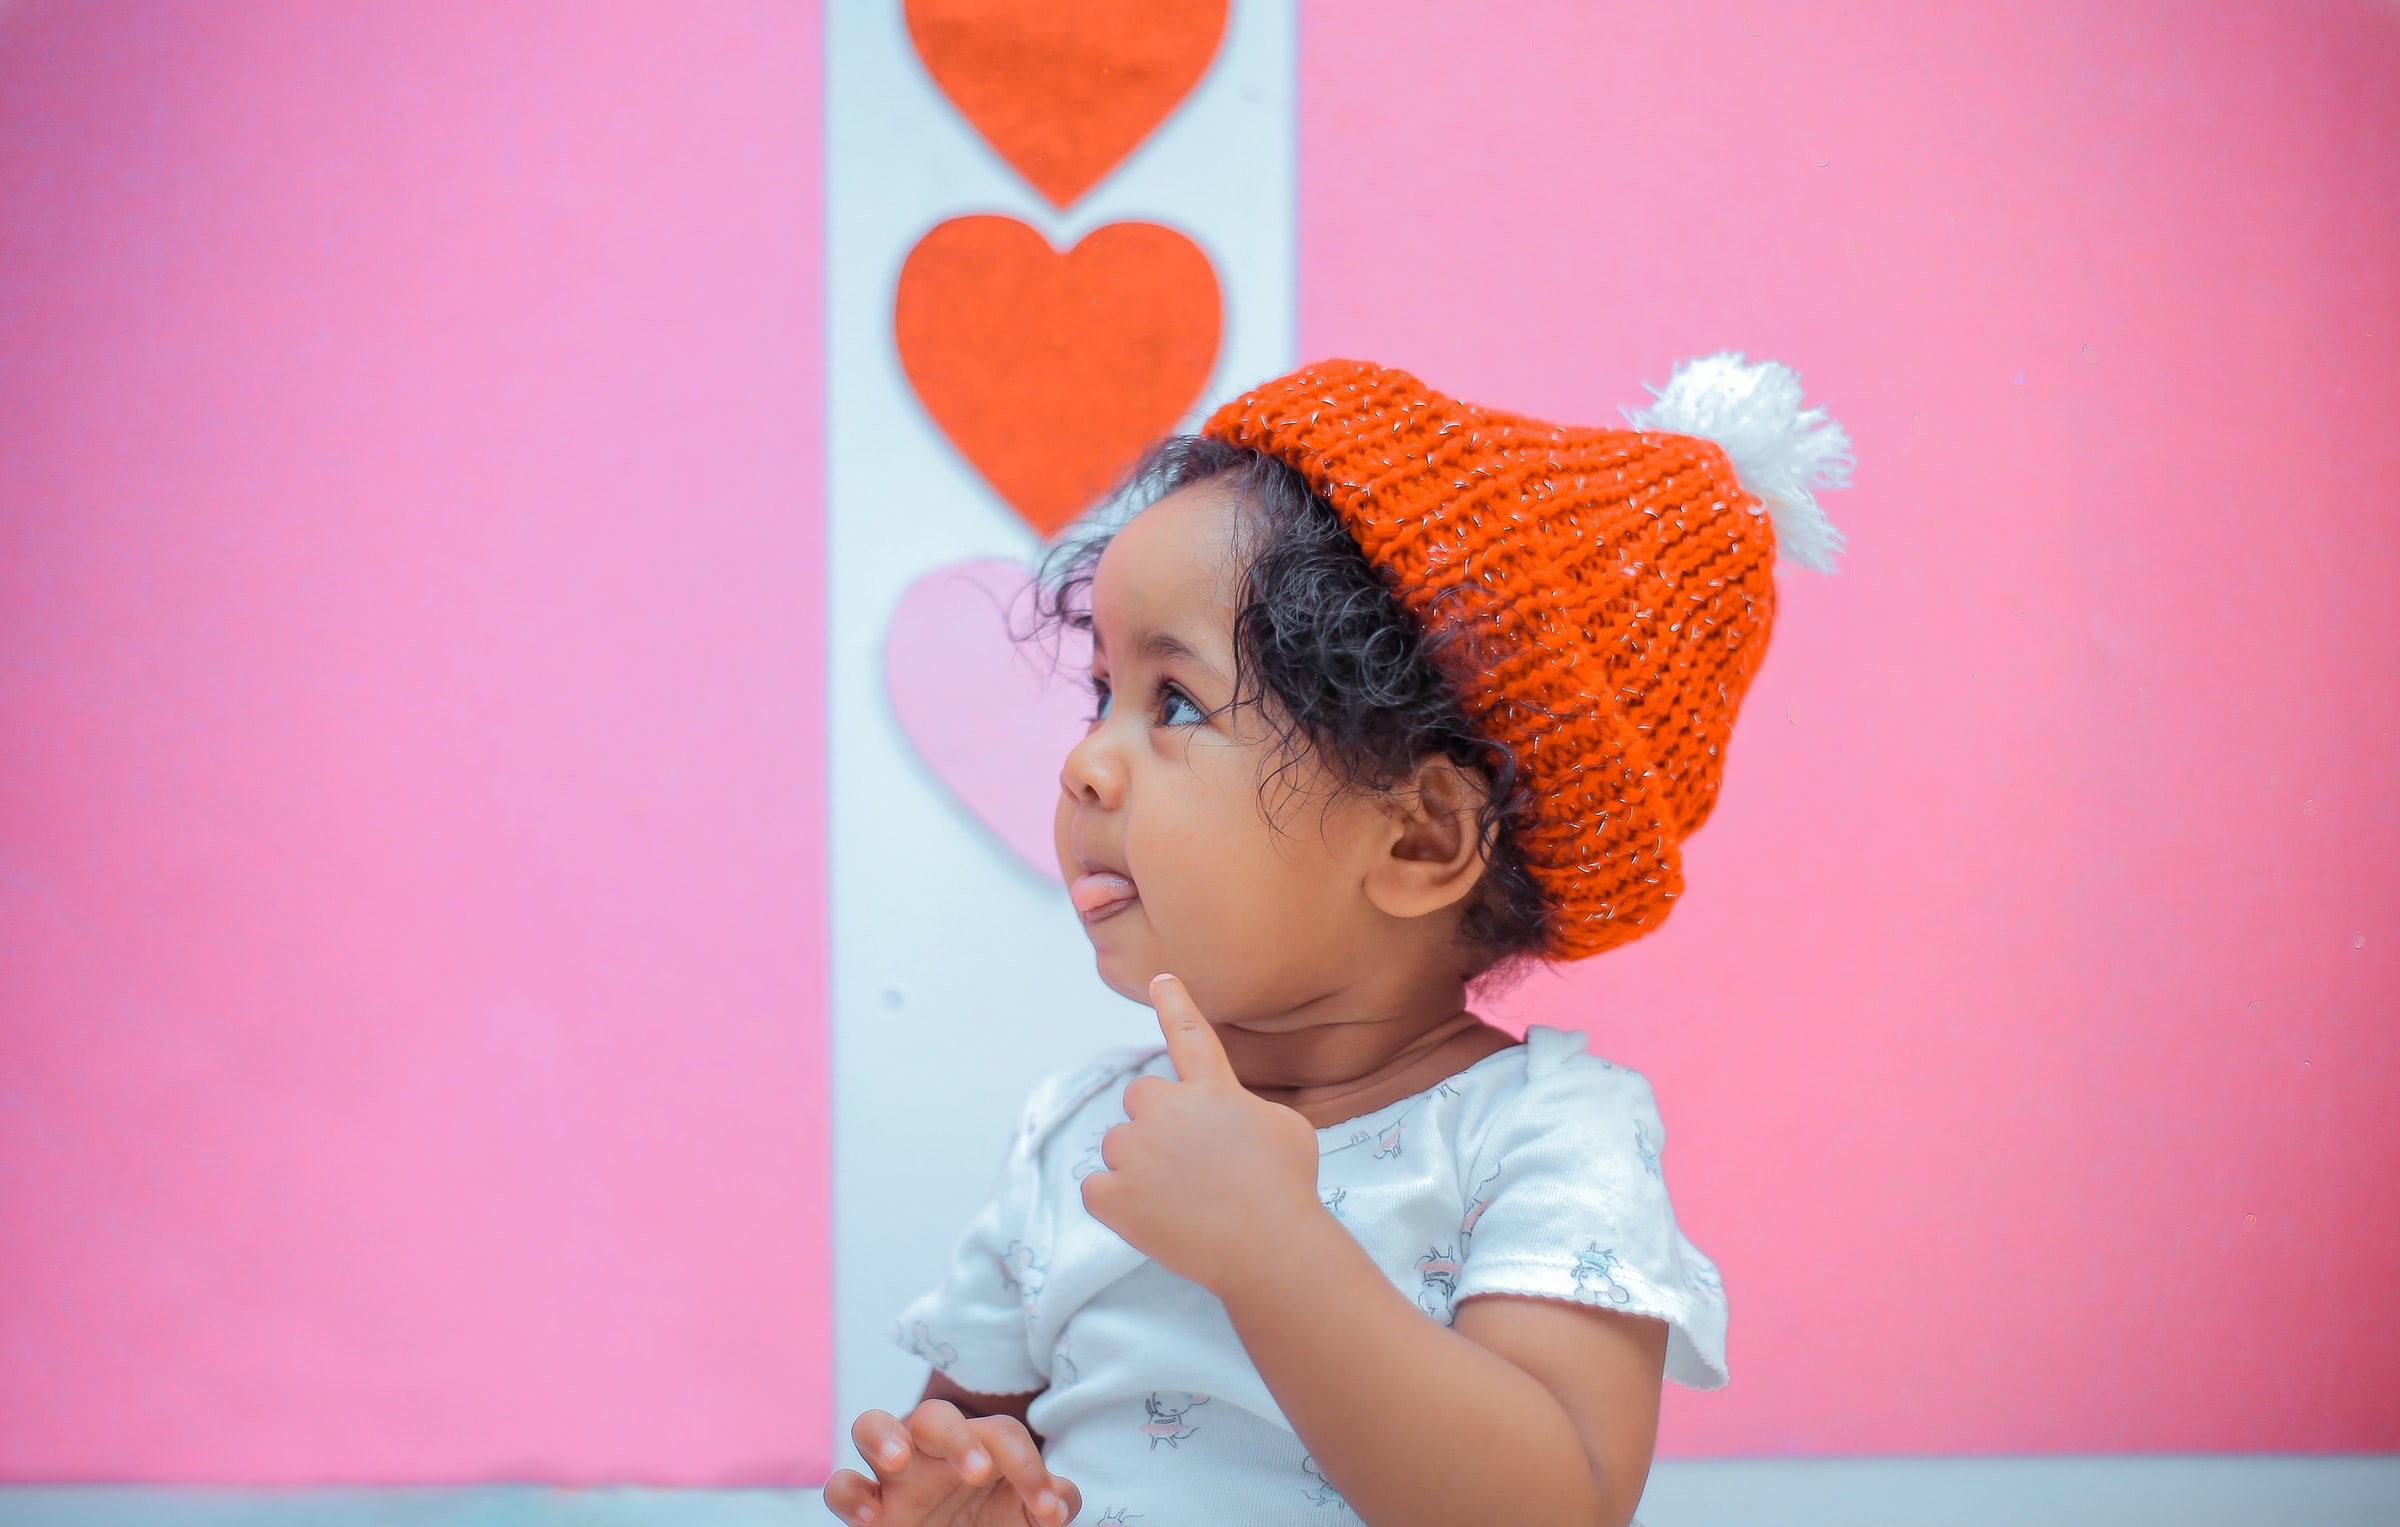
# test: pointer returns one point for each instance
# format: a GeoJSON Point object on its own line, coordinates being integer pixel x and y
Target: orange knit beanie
{"type": "Point", "coordinates": [1616, 584]}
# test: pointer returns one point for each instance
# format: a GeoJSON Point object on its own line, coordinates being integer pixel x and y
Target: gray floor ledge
{"type": "Point", "coordinates": [2103, 1491]}
{"type": "Point", "coordinates": [2113, 1490]}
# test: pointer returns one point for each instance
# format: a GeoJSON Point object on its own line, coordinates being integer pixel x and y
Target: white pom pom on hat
{"type": "Point", "coordinates": [1783, 453]}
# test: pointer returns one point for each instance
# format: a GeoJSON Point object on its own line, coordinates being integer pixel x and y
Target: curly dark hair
{"type": "Point", "coordinates": [1333, 663]}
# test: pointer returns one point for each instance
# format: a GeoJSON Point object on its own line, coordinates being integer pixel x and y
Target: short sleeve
{"type": "Point", "coordinates": [974, 1328]}
{"type": "Point", "coordinates": [1568, 1202]}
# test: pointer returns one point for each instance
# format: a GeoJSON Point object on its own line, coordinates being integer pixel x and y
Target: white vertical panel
{"type": "Point", "coordinates": [959, 977]}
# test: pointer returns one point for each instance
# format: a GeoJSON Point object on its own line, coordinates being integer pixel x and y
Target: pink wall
{"type": "Point", "coordinates": [411, 982]}
{"type": "Point", "coordinates": [2027, 1035]}
{"type": "Point", "coordinates": [411, 913]}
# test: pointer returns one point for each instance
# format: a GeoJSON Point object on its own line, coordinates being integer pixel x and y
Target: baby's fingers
{"type": "Point", "coordinates": [853, 1497]}
{"type": "Point", "coordinates": [939, 1431]}
{"type": "Point", "coordinates": [1198, 1054]}
{"type": "Point", "coordinates": [1020, 1462]}
{"type": "Point", "coordinates": [882, 1441]}
{"type": "Point", "coordinates": [1070, 1499]}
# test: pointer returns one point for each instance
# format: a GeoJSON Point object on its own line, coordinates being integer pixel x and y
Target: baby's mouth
{"type": "Point", "coordinates": [1101, 895]}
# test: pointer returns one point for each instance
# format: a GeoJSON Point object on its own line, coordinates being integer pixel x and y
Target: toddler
{"type": "Point", "coordinates": [1393, 694]}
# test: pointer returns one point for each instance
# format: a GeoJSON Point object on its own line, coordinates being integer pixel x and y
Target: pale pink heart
{"type": "Point", "coordinates": [992, 716]}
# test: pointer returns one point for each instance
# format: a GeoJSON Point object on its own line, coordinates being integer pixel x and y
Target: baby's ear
{"type": "Point", "coordinates": [1439, 844]}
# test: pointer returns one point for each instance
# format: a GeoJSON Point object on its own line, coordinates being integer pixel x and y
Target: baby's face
{"type": "Point", "coordinates": [1163, 832]}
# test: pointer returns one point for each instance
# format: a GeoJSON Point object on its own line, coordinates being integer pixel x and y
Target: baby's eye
{"type": "Point", "coordinates": [1100, 697]}
{"type": "Point", "coordinates": [1175, 708]}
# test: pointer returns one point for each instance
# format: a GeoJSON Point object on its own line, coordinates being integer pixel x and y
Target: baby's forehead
{"type": "Point", "coordinates": [1174, 569]}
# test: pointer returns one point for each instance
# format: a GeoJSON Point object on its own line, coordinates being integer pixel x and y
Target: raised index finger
{"type": "Point", "coordinates": [1193, 1046]}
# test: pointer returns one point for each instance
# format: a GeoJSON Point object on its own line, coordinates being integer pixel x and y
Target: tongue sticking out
{"type": "Point", "coordinates": [1096, 896]}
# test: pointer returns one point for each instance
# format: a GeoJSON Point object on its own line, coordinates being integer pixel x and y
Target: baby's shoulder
{"type": "Point", "coordinates": [1559, 1091]}
{"type": "Point", "coordinates": [1560, 1062]}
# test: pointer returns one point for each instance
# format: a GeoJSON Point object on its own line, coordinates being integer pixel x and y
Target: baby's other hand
{"type": "Point", "coordinates": [1201, 1170]}
{"type": "Point", "coordinates": [940, 1469]}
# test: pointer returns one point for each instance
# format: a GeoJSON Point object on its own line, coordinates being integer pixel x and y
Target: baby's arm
{"type": "Point", "coordinates": [1526, 1411]}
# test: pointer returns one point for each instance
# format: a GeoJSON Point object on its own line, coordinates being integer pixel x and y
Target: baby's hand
{"type": "Point", "coordinates": [939, 1469]}
{"type": "Point", "coordinates": [1202, 1170]}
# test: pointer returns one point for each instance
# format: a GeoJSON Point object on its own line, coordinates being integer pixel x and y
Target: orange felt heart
{"type": "Point", "coordinates": [1064, 89]}
{"type": "Point", "coordinates": [1051, 371]}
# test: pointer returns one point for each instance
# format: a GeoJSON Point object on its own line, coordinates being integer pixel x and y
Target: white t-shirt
{"type": "Point", "coordinates": [1533, 1172]}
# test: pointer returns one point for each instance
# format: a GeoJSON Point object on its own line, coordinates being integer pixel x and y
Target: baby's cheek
{"type": "Point", "coordinates": [1223, 891]}
{"type": "Point", "coordinates": [1230, 909]}
{"type": "Point", "coordinates": [1208, 859]}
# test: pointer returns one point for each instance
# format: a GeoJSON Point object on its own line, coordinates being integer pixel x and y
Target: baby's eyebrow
{"type": "Point", "coordinates": [1167, 647]}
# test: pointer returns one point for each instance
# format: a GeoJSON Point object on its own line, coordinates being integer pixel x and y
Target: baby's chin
{"type": "Point", "coordinates": [1128, 953]}
{"type": "Point", "coordinates": [1126, 965]}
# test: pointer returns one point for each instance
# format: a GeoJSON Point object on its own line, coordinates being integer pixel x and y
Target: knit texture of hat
{"type": "Point", "coordinates": [1611, 589]}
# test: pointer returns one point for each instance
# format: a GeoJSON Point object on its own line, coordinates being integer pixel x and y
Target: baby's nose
{"type": "Point", "coordinates": [1093, 775]}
